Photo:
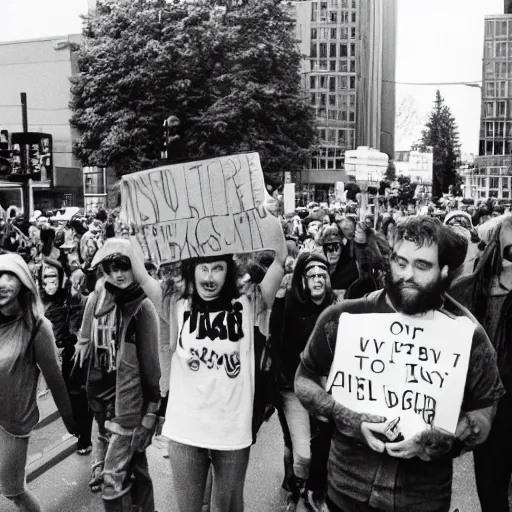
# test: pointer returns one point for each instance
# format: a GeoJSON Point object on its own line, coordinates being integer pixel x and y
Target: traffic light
{"type": "Point", "coordinates": [33, 164]}
{"type": "Point", "coordinates": [5, 153]}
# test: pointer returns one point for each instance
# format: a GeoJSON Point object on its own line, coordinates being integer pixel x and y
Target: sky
{"type": "Point", "coordinates": [437, 41]}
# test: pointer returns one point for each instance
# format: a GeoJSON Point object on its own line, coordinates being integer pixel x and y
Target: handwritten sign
{"type": "Point", "coordinates": [203, 208]}
{"type": "Point", "coordinates": [404, 367]}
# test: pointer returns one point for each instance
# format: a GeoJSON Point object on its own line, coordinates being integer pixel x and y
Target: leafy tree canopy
{"type": "Point", "coordinates": [230, 73]}
{"type": "Point", "coordinates": [441, 133]}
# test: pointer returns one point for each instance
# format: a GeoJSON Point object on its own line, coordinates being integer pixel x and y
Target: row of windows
{"type": "Point", "coordinates": [497, 89]}
{"type": "Point", "coordinates": [497, 29]}
{"type": "Point", "coordinates": [494, 171]}
{"type": "Point", "coordinates": [493, 182]}
{"type": "Point", "coordinates": [498, 129]}
{"type": "Point", "coordinates": [498, 49]}
{"type": "Point", "coordinates": [325, 33]}
{"type": "Point", "coordinates": [495, 147]}
{"type": "Point", "coordinates": [329, 152]}
{"type": "Point", "coordinates": [498, 69]}
{"type": "Point", "coordinates": [341, 65]}
{"type": "Point", "coordinates": [321, 50]}
{"type": "Point", "coordinates": [344, 4]}
{"type": "Point", "coordinates": [334, 16]}
{"type": "Point", "coordinates": [495, 109]}
{"type": "Point", "coordinates": [336, 136]}
{"type": "Point", "coordinates": [335, 101]}
{"type": "Point", "coordinates": [332, 83]}
{"type": "Point", "coordinates": [335, 115]}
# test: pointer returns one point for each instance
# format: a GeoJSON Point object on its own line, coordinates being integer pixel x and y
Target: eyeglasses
{"type": "Point", "coordinates": [114, 266]}
{"type": "Point", "coordinates": [320, 275]}
{"type": "Point", "coordinates": [335, 247]}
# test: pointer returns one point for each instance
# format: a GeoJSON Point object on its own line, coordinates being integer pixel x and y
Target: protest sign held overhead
{"type": "Point", "coordinates": [203, 208]}
{"type": "Point", "coordinates": [398, 366]}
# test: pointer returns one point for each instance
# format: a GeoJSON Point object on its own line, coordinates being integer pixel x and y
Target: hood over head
{"type": "Point", "coordinates": [15, 264]}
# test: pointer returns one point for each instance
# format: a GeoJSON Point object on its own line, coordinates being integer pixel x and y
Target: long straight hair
{"type": "Point", "coordinates": [32, 312]}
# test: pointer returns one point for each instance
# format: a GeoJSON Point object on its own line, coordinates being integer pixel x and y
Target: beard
{"type": "Point", "coordinates": [411, 298]}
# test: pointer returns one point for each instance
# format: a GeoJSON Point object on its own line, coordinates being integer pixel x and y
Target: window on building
{"type": "Point", "coordinates": [332, 83]}
{"type": "Point", "coordinates": [489, 70]}
{"type": "Point", "coordinates": [322, 50]}
{"type": "Point", "coordinates": [352, 116]}
{"type": "Point", "coordinates": [314, 11]}
{"type": "Point", "coordinates": [344, 4]}
{"type": "Point", "coordinates": [498, 147]}
{"type": "Point", "coordinates": [352, 82]}
{"type": "Point", "coordinates": [324, 33]}
{"type": "Point", "coordinates": [312, 82]}
{"type": "Point", "coordinates": [352, 100]}
{"type": "Point", "coordinates": [332, 50]}
{"type": "Point", "coordinates": [501, 28]}
{"type": "Point", "coordinates": [321, 134]}
{"type": "Point", "coordinates": [500, 109]}
{"type": "Point", "coordinates": [344, 19]}
{"type": "Point", "coordinates": [352, 65]}
{"type": "Point", "coordinates": [334, 4]}
{"type": "Point", "coordinates": [322, 100]}
{"type": "Point", "coordinates": [334, 17]}
{"type": "Point", "coordinates": [323, 11]}
{"type": "Point", "coordinates": [343, 115]}
{"type": "Point", "coordinates": [313, 98]}
{"type": "Point", "coordinates": [508, 128]}
{"type": "Point", "coordinates": [331, 136]}
{"type": "Point", "coordinates": [489, 109]}
{"type": "Point", "coordinates": [489, 89]}
{"type": "Point", "coordinates": [314, 50]}
{"type": "Point", "coordinates": [322, 64]}
{"type": "Point", "coordinates": [352, 32]}
{"type": "Point", "coordinates": [313, 65]}
{"type": "Point", "coordinates": [343, 50]}
{"type": "Point", "coordinates": [489, 29]}
{"type": "Point", "coordinates": [505, 183]}
{"type": "Point", "coordinates": [489, 129]}
{"type": "Point", "coordinates": [488, 49]}
{"type": "Point", "coordinates": [352, 49]}
{"type": "Point", "coordinates": [332, 114]}
{"type": "Point", "coordinates": [322, 82]}
{"type": "Point", "coordinates": [494, 182]}
{"type": "Point", "coordinates": [501, 69]}
{"type": "Point", "coordinates": [342, 82]}
{"type": "Point", "coordinates": [501, 89]}
{"type": "Point", "coordinates": [332, 65]}
{"type": "Point", "coordinates": [353, 17]}
{"type": "Point", "coordinates": [343, 32]}
{"type": "Point", "coordinates": [499, 129]}
{"type": "Point", "coordinates": [353, 4]}
{"type": "Point", "coordinates": [334, 32]}
{"type": "Point", "coordinates": [314, 34]}
{"type": "Point", "coordinates": [501, 50]}
{"type": "Point", "coordinates": [343, 66]}
{"type": "Point", "coordinates": [488, 147]}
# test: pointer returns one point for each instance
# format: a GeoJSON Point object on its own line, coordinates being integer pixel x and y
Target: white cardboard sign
{"type": "Point", "coordinates": [202, 208]}
{"type": "Point", "coordinates": [398, 366]}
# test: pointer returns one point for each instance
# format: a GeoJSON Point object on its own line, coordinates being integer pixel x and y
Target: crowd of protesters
{"type": "Point", "coordinates": [197, 354]}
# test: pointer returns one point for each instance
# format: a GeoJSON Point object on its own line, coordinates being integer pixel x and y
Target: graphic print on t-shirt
{"type": "Point", "coordinates": [213, 339]}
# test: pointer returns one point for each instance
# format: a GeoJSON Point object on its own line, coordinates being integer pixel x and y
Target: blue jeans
{"type": "Point", "coordinates": [189, 472]}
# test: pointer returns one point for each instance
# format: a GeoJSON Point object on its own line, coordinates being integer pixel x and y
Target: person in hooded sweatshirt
{"type": "Point", "coordinates": [119, 338]}
{"type": "Point", "coordinates": [27, 346]}
{"type": "Point", "coordinates": [292, 321]}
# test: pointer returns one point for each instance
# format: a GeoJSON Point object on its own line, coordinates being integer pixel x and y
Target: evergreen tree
{"type": "Point", "coordinates": [441, 133]}
{"type": "Point", "coordinates": [231, 74]}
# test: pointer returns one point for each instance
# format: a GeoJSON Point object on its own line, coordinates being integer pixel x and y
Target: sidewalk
{"type": "Point", "coordinates": [64, 488]}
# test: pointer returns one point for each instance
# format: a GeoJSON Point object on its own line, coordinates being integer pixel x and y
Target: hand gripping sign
{"type": "Point", "coordinates": [202, 208]}
{"type": "Point", "coordinates": [411, 370]}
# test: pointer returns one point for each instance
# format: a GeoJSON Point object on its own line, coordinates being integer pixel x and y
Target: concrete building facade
{"type": "Point", "coordinates": [493, 171]}
{"type": "Point", "coordinates": [348, 72]}
{"type": "Point", "coordinates": [41, 68]}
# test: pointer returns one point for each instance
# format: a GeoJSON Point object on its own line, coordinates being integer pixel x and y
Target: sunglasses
{"type": "Point", "coordinates": [332, 247]}
{"type": "Point", "coordinates": [122, 265]}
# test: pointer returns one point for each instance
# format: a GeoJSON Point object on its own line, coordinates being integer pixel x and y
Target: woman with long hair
{"type": "Point", "coordinates": [27, 346]}
{"type": "Point", "coordinates": [213, 410]}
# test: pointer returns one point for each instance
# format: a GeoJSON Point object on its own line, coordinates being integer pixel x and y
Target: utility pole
{"type": "Point", "coordinates": [26, 184]}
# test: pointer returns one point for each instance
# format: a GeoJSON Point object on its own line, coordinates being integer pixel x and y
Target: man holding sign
{"type": "Point", "coordinates": [412, 379]}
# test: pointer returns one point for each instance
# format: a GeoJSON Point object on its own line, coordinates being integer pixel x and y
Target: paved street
{"type": "Point", "coordinates": [64, 488]}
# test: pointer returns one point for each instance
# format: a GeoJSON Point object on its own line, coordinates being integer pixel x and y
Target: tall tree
{"type": "Point", "coordinates": [231, 74]}
{"type": "Point", "coordinates": [441, 133]}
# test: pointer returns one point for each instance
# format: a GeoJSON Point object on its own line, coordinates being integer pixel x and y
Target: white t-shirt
{"type": "Point", "coordinates": [211, 387]}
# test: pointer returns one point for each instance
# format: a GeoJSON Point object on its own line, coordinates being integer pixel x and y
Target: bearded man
{"type": "Point", "coordinates": [367, 471]}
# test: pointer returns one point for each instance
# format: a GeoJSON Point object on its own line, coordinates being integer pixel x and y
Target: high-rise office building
{"type": "Point", "coordinates": [493, 167]}
{"type": "Point", "coordinates": [348, 70]}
